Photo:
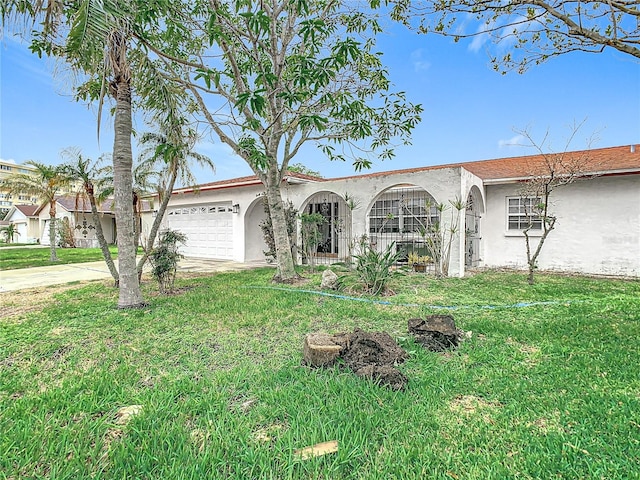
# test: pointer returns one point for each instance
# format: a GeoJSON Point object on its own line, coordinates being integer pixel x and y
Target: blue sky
{"type": "Point", "coordinates": [470, 111]}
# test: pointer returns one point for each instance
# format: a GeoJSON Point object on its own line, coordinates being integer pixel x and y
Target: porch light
{"type": "Point", "coordinates": [236, 208]}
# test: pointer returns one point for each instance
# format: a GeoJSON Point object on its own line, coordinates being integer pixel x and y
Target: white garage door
{"type": "Point", "coordinates": [209, 229]}
{"type": "Point", "coordinates": [21, 229]}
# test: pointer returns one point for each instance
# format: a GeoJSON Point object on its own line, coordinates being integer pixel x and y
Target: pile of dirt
{"type": "Point", "coordinates": [375, 355]}
{"type": "Point", "coordinates": [372, 355]}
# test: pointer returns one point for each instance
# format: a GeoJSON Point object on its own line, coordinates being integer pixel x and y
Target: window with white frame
{"type": "Point", "coordinates": [522, 212]}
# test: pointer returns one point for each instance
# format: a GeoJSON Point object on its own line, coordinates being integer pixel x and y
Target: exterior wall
{"type": "Point", "coordinates": [597, 231]}
{"type": "Point", "coordinates": [85, 237]}
{"type": "Point", "coordinates": [598, 237]}
{"type": "Point", "coordinates": [442, 184]}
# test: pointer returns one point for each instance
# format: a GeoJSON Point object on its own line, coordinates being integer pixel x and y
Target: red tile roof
{"type": "Point", "coordinates": [599, 160]}
{"type": "Point", "coordinates": [79, 204]}
{"type": "Point", "coordinates": [243, 182]}
{"type": "Point", "coordinates": [609, 160]}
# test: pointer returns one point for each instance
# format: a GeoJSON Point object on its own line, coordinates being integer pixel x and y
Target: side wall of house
{"type": "Point", "coordinates": [82, 224]}
{"type": "Point", "coordinates": [85, 233]}
{"type": "Point", "coordinates": [597, 231]}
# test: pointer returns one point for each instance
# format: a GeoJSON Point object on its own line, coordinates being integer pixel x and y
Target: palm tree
{"type": "Point", "coordinates": [171, 150]}
{"type": "Point", "coordinates": [9, 232]}
{"type": "Point", "coordinates": [45, 183]}
{"type": "Point", "coordinates": [93, 37]}
{"type": "Point", "coordinates": [95, 188]}
{"type": "Point", "coordinates": [107, 42]}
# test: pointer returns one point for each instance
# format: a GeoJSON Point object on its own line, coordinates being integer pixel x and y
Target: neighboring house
{"type": "Point", "coordinates": [77, 212]}
{"type": "Point", "coordinates": [597, 231]}
{"type": "Point", "coordinates": [32, 221]}
{"type": "Point", "coordinates": [26, 223]}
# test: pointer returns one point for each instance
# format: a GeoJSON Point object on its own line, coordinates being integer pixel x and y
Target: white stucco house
{"type": "Point", "coordinates": [597, 229]}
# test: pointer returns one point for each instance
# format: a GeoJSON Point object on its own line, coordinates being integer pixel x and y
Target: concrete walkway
{"type": "Point", "coordinates": [11, 280]}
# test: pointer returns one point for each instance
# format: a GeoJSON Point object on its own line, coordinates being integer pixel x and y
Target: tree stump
{"type": "Point", "coordinates": [371, 355]}
{"type": "Point", "coordinates": [320, 350]}
{"type": "Point", "coordinates": [437, 333]}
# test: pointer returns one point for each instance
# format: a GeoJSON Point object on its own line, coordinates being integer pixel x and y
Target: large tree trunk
{"type": "Point", "coordinates": [130, 293]}
{"type": "Point", "coordinates": [100, 235]}
{"type": "Point", "coordinates": [53, 257]}
{"type": "Point", "coordinates": [284, 258]}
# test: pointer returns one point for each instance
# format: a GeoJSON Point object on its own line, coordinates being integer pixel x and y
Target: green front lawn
{"type": "Point", "coordinates": [538, 392]}
{"type": "Point", "coordinates": [14, 258]}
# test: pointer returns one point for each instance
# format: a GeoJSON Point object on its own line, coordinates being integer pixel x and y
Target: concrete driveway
{"type": "Point", "coordinates": [12, 280]}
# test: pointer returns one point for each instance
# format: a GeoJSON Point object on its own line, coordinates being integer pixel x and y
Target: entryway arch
{"type": "Point", "coordinates": [472, 227]}
{"type": "Point", "coordinates": [254, 243]}
{"type": "Point", "coordinates": [335, 237]}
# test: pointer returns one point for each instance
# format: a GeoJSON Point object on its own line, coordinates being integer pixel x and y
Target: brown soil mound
{"type": "Point", "coordinates": [374, 355]}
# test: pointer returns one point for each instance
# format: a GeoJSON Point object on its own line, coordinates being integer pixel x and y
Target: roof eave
{"type": "Point", "coordinates": [604, 173]}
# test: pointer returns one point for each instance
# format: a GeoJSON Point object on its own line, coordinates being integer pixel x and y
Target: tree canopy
{"type": "Point", "coordinates": [269, 77]}
{"type": "Point", "coordinates": [529, 32]}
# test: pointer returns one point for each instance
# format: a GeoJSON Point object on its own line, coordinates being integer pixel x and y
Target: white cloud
{"type": "Point", "coordinates": [419, 64]}
{"type": "Point", "coordinates": [10, 160]}
{"type": "Point", "coordinates": [515, 141]}
{"type": "Point", "coordinates": [18, 56]}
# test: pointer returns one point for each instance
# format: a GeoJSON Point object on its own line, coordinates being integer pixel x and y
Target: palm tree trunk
{"type": "Point", "coordinates": [130, 295]}
{"type": "Point", "coordinates": [53, 257]}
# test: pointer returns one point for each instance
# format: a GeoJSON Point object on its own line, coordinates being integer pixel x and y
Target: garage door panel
{"type": "Point", "coordinates": [209, 230]}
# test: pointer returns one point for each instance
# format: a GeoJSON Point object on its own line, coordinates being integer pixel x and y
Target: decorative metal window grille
{"type": "Point", "coordinates": [401, 216]}
{"type": "Point", "coordinates": [403, 210]}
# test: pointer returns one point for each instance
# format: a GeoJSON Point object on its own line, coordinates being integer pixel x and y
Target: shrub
{"type": "Point", "coordinates": [65, 234]}
{"type": "Point", "coordinates": [164, 259]}
{"type": "Point", "coordinates": [373, 269]}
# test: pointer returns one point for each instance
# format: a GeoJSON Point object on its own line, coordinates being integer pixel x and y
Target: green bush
{"type": "Point", "coordinates": [164, 259]}
{"type": "Point", "coordinates": [373, 269]}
